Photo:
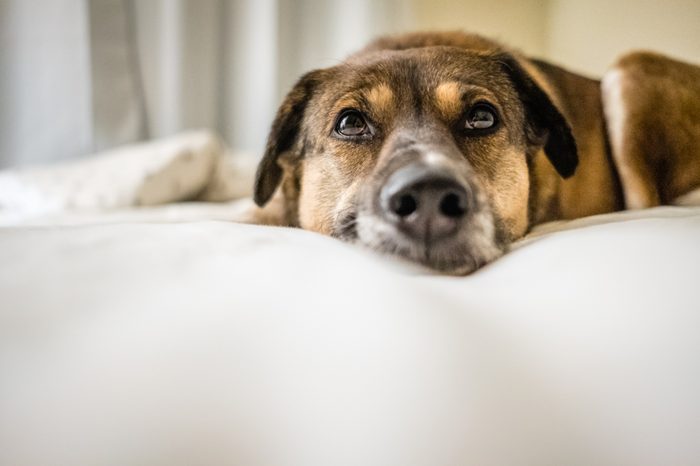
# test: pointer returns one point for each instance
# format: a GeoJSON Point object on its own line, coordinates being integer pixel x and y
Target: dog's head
{"type": "Point", "coordinates": [421, 152]}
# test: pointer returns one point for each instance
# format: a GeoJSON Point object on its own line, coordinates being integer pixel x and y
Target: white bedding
{"type": "Point", "coordinates": [158, 336]}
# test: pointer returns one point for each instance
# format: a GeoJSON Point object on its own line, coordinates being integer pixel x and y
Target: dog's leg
{"type": "Point", "coordinates": [652, 110]}
{"type": "Point", "coordinates": [627, 144]}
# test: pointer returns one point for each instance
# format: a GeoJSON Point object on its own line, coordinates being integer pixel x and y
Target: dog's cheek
{"type": "Point", "coordinates": [320, 192]}
{"type": "Point", "coordinates": [508, 191]}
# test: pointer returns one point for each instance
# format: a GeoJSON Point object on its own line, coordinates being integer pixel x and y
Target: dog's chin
{"type": "Point", "coordinates": [460, 255]}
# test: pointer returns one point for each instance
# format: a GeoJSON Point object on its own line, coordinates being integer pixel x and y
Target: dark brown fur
{"type": "Point", "coordinates": [414, 90]}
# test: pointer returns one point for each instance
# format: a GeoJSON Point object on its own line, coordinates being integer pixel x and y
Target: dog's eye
{"type": "Point", "coordinates": [352, 123]}
{"type": "Point", "coordinates": [481, 116]}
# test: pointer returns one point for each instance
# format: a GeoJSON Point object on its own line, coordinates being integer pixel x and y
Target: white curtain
{"type": "Point", "coordinates": [80, 76]}
{"type": "Point", "coordinates": [45, 102]}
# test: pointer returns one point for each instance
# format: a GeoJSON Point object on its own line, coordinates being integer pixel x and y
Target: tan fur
{"type": "Point", "coordinates": [448, 98]}
{"type": "Point", "coordinates": [511, 204]}
{"type": "Point", "coordinates": [381, 98]}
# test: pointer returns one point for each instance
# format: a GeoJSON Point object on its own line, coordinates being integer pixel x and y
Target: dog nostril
{"type": "Point", "coordinates": [405, 205]}
{"type": "Point", "coordinates": [452, 205]}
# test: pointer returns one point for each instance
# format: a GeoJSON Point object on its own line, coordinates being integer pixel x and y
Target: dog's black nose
{"type": "Point", "coordinates": [425, 203]}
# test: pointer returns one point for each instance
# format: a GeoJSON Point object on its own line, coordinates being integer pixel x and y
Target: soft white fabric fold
{"type": "Point", "coordinates": [189, 166]}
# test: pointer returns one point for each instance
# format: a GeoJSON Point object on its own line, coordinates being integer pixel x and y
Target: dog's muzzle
{"type": "Point", "coordinates": [426, 203]}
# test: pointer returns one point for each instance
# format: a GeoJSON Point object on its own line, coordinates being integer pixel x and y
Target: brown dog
{"type": "Point", "coordinates": [445, 147]}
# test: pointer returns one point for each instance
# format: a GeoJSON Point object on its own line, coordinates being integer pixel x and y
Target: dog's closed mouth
{"type": "Point", "coordinates": [448, 255]}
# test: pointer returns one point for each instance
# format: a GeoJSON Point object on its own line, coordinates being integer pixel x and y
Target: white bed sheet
{"type": "Point", "coordinates": [155, 336]}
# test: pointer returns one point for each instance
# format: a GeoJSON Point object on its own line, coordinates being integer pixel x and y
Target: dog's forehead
{"type": "Point", "coordinates": [422, 68]}
{"type": "Point", "coordinates": [407, 83]}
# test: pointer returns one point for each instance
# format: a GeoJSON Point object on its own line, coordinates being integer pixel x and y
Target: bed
{"type": "Point", "coordinates": [139, 329]}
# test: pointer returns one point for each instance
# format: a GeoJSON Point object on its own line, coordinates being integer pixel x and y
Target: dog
{"type": "Point", "coordinates": [444, 148]}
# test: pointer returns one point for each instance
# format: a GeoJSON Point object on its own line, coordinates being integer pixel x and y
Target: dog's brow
{"type": "Point", "coordinates": [377, 99]}
{"type": "Point", "coordinates": [448, 97]}
{"type": "Point", "coordinates": [380, 97]}
{"type": "Point", "coordinates": [451, 96]}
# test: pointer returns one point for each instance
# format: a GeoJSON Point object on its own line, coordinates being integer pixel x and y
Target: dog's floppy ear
{"type": "Point", "coordinates": [282, 136]}
{"type": "Point", "coordinates": [545, 119]}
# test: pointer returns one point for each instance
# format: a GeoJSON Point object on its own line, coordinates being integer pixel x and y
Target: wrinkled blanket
{"type": "Point", "coordinates": [192, 166]}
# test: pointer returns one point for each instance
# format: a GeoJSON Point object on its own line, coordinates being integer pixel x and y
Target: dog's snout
{"type": "Point", "coordinates": [425, 203]}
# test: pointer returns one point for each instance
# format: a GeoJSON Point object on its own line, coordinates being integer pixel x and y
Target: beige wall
{"type": "Point", "coordinates": [585, 36]}
{"type": "Point", "coordinates": [519, 23]}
